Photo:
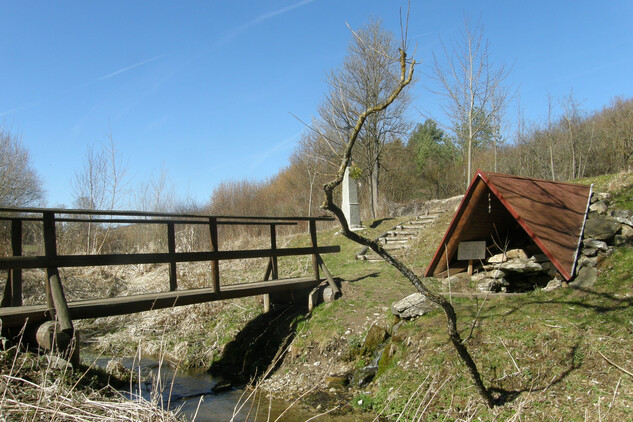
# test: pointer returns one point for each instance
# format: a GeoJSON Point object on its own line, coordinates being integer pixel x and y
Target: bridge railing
{"type": "Point", "coordinates": [51, 261]}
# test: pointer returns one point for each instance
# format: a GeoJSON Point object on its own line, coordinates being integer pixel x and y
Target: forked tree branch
{"type": "Point", "coordinates": [406, 76]}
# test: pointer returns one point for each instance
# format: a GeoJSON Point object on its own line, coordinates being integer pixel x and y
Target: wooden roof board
{"type": "Point", "coordinates": [551, 213]}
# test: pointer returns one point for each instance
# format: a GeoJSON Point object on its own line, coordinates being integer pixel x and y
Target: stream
{"type": "Point", "coordinates": [192, 395]}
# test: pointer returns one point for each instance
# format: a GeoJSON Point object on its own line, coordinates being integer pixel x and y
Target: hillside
{"type": "Point", "coordinates": [547, 355]}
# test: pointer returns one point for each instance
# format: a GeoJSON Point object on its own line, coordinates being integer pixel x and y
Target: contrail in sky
{"type": "Point", "coordinates": [274, 13]}
{"type": "Point", "coordinates": [240, 29]}
{"type": "Point", "coordinates": [125, 69]}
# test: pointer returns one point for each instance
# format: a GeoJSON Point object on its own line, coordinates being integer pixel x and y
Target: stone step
{"type": "Point", "coordinates": [428, 218]}
{"type": "Point", "coordinates": [409, 226]}
{"type": "Point", "coordinates": [393, 247]}
{"type": "Point", "coordinates": [402, 232]}
{"type": "Point", "coordinates": [395, 240]}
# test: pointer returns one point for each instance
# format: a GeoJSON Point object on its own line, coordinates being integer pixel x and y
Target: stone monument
{"type": "Point", "coordinates": [350, 201]}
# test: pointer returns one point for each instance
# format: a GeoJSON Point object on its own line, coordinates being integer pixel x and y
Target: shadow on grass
{"type": "Point", "coordinates": [602, 307]}
{"type": "Point", "coordinates": [503, 397]}
{"type": "Point", "coordinates": [379, 222]}
{"type": "Point", "coordinates": [260, 345]}
{"type": "Point", "coordinates": [375, 274]}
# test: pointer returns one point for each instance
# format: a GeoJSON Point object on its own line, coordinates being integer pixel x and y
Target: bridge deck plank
{"type": "Point", "coordinates": [12, 317]}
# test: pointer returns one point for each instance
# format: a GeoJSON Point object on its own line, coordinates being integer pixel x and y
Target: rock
{"type": "Point", "coordinates": [627, 233]}
{"type": "Point", "coordinates": [601, 227]}
{"type": "Point", "coordinates": [522, 266]}
{"type": "Point", "coordinates": [516, 253]}
{"type": "Point", "coordinates": [374, 338]}
{"type": "Point", "coordinates": [496, 274]}
{"type": "Point", "coordinates": [497, 259]}
{"type": "Point", "coordinates": [479, 276]}
{"type": "Point", "coordinates": [598, 207]}
{"type": "Point", "coordinates": [508, 255]}
{"type": "Point", "coordinates": [337, 382]}
{"type": "Point", "coordinates": [585, 261]}
{"type": "Point", "coordinates": [412, 306]}
{"type": "Point", "coordinates": [601, 196]}
{"type": "Point", "coordinates": [595, 244]}
{"type": "Point", "coordinates": [553, 285]}
{"type": "Point", "coordinates": [585, 279]}
{"type": "Point", "coordinates": [623, 214]}
{"type": "Point", "coordinates": [589, 251]}
{"type": "Point", "coordinates": [493, 285]}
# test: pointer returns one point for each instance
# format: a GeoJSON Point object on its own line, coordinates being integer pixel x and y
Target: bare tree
{"type": "Point", "coordinates": [572, 116]}
{"type": "Point", "coordinates": [406, 68]}
{"type": "Point", "coordinates": [100, 185]}
{"type": "Point", "coordinates": [20, 185]}
{"type": "Point", "coordinates": [367, 77]}
{"type": "Point", "coordinates": [473, 90]}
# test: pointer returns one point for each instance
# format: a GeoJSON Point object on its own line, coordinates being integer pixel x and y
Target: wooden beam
{"type": "Point", "coordinates": [62, 261]}
{"type": "Point", "coordinates": [17, 316]}
{"type": "Point", "coordinates": [12, 295]}
{"type": "Point", "coordinates": [171, 247]}
{"type": "Point", "coordinates": [215, 265]}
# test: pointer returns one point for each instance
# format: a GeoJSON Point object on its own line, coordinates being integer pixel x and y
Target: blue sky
{"type": "Point", "coordinates": [207, 90]}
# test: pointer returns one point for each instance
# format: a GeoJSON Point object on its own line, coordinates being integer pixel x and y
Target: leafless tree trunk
{"type": "Point", "coordinates": [469, 82]}
{"type": "Point", "coordinates": [99, 186]}
{"type": "Point", "coordinates": [406, 75]}
{"type": "Point", "coordinates": [366, 76]}
{"type": "Point", "coordinates": [19, 183]}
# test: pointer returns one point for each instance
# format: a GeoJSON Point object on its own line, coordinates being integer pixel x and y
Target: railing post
{"type": "Point", "coordinates": [12, 295]}
{"type": "Point", "coordinates": [215, 266]}
{"type": "Point", "coordinates": [171, 246]}
{"type": "Point", "coordinates": [273, 246]}
{"type": "Point", "coordinates": [55, 289]}
{"type": "Point", "coordinates": [315, 259]}
{"type": "Point", "coordinates": [272, 269]}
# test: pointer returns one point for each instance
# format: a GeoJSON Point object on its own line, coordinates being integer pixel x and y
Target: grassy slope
{"type": "Point", "coordinates": [543, 353]}
{"type": "Point", "coordinates": [540, 351]}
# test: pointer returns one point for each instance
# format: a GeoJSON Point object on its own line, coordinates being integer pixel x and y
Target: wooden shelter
{"type": "Point", "coordinates": [506, 211]}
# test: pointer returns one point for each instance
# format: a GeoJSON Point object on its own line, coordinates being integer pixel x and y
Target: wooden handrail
{"type": "Point", "coordinates": [62, 261]}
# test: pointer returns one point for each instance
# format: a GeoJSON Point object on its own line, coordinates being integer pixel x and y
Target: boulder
{"type": "Point", "coordinates": [595, 244]}
{"type": "Point", "coordinates": [522, 266]}
{"type": "Point", "coordinates": [589, 251]}
{"type": "Point", "coordinates": [374, 338]}
{"type": "Point", "coordinates": [601, 196]}
{"type": "Point", "coordinates": [585, 261]}
{"type": "Point", "coordinates": [627, 233]}
{"type": "Point", "coordinates": [412, 306]}
{"type": "Point", "coordinates": [601, 227]}
{"type": "Point", "coordinates": [493, 285]}
{"type": "Point", "coordinates": [508, 255]}
{"type": "Point", "coordinates": [553, 285]}
{"type": "Point", "coordinates": [585, 279]}
{"type": "Point", "coordinates": [598, 207]}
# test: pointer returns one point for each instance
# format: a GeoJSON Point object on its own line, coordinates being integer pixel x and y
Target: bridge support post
{"type": "Point", "coordinates": [55, 292]}
{"type": "Point", "coordinates": [273, 268]}
{"type": "Point", "coordinates": [12, 295]}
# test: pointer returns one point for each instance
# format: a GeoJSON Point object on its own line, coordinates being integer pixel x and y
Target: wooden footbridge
{"type": "Point", "coordinates": [59, 313]}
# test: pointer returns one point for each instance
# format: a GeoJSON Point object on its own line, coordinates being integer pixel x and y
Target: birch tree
{"type": "Point", "coordinates": [472, 89]}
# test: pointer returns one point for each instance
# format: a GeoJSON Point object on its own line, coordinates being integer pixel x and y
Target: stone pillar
{"type": "Point", "coordinates": [350, 201]}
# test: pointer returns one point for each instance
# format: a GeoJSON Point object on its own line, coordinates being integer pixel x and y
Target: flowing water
{"type": "Point", "coordinates": [192, 394]}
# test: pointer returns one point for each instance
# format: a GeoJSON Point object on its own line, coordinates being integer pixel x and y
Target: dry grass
{"type": "Point", "coordinates": [45, 388]}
